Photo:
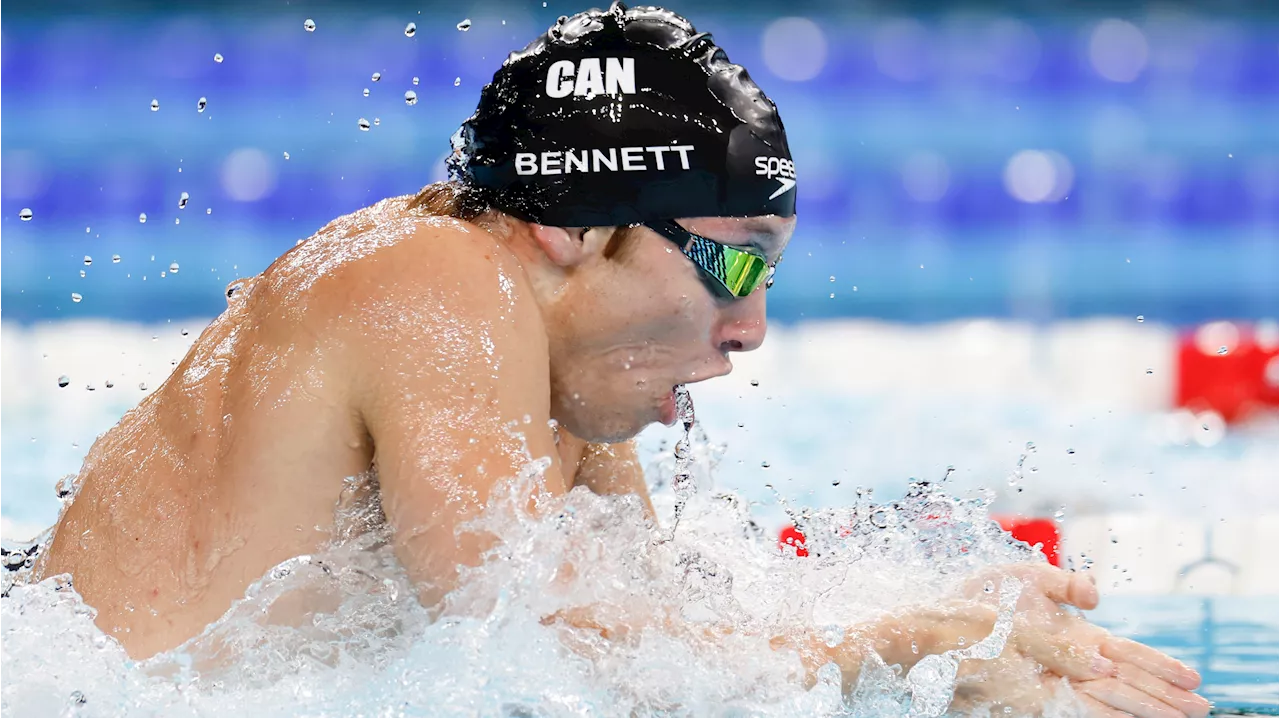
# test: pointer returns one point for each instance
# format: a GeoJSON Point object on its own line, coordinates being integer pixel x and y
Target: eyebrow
{"type": "Point", "coordinates": [759, 234]}
{"type": "Point", "coordinates": [762, 236]}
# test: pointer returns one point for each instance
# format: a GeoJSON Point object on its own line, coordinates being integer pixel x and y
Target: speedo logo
{"type": "Point", "coordinates": [587, 78]}
{"type": "Point", "coordinates": [628, 159]}
{"type": "Point", "coordinates": [777, 168]}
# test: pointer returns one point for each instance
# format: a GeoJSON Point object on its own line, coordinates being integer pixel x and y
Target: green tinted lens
{"type": "Point", "coordinates": [743, 271]}
{"type": "Point", "coordinates": [726, 270]}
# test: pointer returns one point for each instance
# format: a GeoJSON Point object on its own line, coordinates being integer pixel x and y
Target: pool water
{"type": "Point", "coordinates": [1232, 641]}
{"type": "Point", "coordinates": [1025, 418]}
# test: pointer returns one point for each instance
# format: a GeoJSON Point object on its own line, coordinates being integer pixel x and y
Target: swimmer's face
{"type": "Point", "coordinates": [627, 329]}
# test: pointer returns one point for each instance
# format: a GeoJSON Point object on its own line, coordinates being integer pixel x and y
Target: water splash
{"type": "Point", "coordinates": [624, 618]}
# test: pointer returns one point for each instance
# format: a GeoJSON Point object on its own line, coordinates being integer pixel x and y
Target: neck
{"type": "Point", "coordinates": [545, 277]}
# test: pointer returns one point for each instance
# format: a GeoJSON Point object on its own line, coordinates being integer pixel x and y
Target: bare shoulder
{"type": "Point", "coordinates": [441, 278]}
{"type": "Point", "coordinates": [382, 271]}
{"type": "Point", "coordinates": [429, 302]}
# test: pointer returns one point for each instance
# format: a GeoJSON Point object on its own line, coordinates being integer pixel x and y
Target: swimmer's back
{"type": "Point", "coordinates": [236, 462]}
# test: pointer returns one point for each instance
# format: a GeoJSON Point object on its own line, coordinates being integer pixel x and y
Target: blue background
{"type": "Point", "coordinates": [1171, 212]}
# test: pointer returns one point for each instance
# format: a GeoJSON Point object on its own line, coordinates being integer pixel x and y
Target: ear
{"type": "Point", "coordinates": [569, 246]}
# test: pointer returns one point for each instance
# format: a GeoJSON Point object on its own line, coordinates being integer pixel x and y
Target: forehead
{"type": "Point", "coordinates": [769, 232]}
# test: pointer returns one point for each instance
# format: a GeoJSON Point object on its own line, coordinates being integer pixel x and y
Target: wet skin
{"type": "Point", "coordinates": [437, 348]}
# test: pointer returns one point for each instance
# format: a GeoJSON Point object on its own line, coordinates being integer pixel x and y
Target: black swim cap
{"type": "Point", "coordinates": [623, 116]}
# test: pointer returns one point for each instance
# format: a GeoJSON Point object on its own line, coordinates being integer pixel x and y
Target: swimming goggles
{"type": "Point", "coordinates": [729, 271]}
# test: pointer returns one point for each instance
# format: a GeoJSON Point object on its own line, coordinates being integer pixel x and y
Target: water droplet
{"type": "Point", "coordinates": [1141, 318]}
{"type": "Point", "coordinates": [1115, 540]}
{"type": "Point", "coordinates": [110, 384]}
{"type": "Point", "coordinates": [410, 30]}
{"type": "Point", "coordinates": [457, 81]}
{"type": "Point", "coordinates": [755, 382]}
{"type": "Point", "coordinates": [415, 79]}
{"type": "Point", "coordinates": [833, 635]}
{"type": "Point", "coordinates": [75, 297]}
{"type": "Point", "coordinates": [182, 200]}
{"type": "Point", "coordinates": [142, 385]}
{"type": "Point", "coordinates": [1151, 371]}
{"type": "Point", "coordinates": [25, 214]}
{"type": "Point", "coordinates": [833, 295]}
{"type": "Point", "coordinates": [365, 92]}
{"type": "Point", "coordinates": [989, 587]}
{"type": "Point", "coordinates": [286, 155]}
{"type": "Point", "coordinates": [217, 57]}
{"type": "Point", "coordinates": [173, 268]}
{"type": "Point", "coordinates": [63, 381]}
{"type": "Point", "coordinates": [410, 98]}
{"type": "Point", "coordinates": [155, 105]}
{"type": "Point", "coordinates": [377, 121]}
{"type": "Point", "coordinates": [377, 76]}
{"type": "Point", "coordinates": [465, 25]}
{"type": "Point", "coordinates": [764, 464]}
{"type": "Point", "coordinates": [115, 259]}
{"type": "Point", "coordinates": [65, 486]}
{"type": "Point", "coordinates": [309, 25]}
{"type": "Point", "coordinates": [1222, 350]}
{"type": "Point", "coordinates": [142, 218]}
{"type": "Point", "coordinates": [832, 278]}
{"type": "Point", "coordinates": [364, 125]}
{"type": "Point", "coordinates": [209, 210]}
{"type": "Point", "coordinates": [202, 103]}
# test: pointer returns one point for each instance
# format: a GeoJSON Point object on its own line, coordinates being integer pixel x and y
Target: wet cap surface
{"type": "Point", "coordinates": [623, 116]}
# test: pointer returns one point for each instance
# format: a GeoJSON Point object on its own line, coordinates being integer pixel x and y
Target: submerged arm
{"type": "Point", "coordinates": [606, 469]}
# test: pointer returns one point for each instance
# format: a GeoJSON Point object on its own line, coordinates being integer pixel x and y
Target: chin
{"type": "Point", "coordinates": [605, 429]}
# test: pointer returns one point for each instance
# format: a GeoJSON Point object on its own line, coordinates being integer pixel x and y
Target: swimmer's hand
{"type": "Point", "coordinates": [1111, 676]}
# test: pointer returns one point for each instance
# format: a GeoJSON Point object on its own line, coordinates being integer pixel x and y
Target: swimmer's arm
{"type": "Point", "coordinates": [452, 386]}
{"type": "Point", "coordinates": [612, 469]}
{"type": "Point", "coordinates": [890, 637]}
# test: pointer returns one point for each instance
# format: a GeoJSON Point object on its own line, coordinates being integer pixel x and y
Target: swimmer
{"type": "Point", "coordinates": [616, 208]}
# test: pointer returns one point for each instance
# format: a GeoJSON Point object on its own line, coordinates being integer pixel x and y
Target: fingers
{"type": "Point", "coordinates": [1167, 668]}
{"type": "Point", "coordinates": [1067, 657]}
{"type": "Point", "coordinates": [1189, 703]}
{"type": "Point", "coordinates": [1077, 589]}
{"type": "Point", "coordinates": [1097, 709]}
{"type": "Point", "coordinates": [1114, 693]}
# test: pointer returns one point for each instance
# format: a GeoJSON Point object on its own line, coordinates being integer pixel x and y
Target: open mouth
{"type": "Point", "coordinates": [668, 410]}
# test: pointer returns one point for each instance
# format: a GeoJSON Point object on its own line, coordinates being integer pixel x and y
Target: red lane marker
{"type": "Point", "coordinates": [790, 539]}
{"type": "Point", "coordinates": [1230, 368]}
{"type": "Point", "coordinates": [1032, 531]}
{"type": "Point", "coordinates": [1029, 530]}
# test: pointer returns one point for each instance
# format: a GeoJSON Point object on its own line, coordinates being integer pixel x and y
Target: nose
{"type": "Point", "coordinates": [742, 324]}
